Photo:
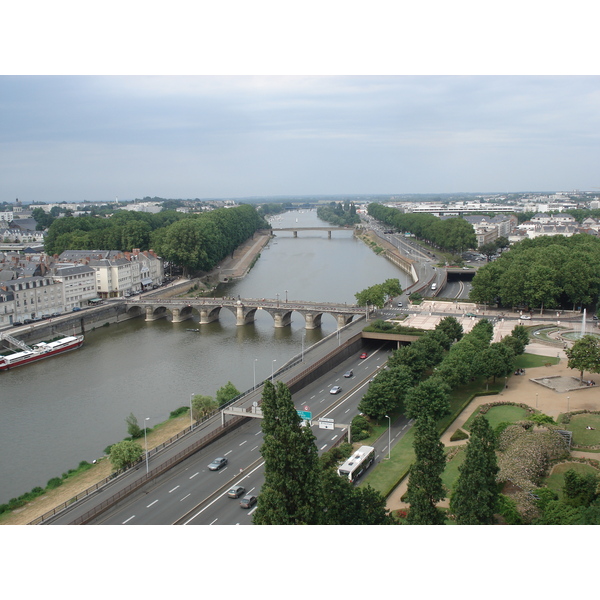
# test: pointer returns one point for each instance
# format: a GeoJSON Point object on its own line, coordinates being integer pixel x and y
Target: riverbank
{"type": "Point", "coordinates": [235, 266]}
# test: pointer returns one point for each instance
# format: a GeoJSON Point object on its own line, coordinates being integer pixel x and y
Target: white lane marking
{"type": "Point", "coordinates": [312, 397]}
{"type": "Point", "coordinates": [252, 510]}
{"type": "Point", "coordinates": [258, 433]}
{"type": "Point", "coordinates": [214, 521]}
{"type": "Point", "coordinates": [185, 497]}
{"type": "Point", "coordinates": [173, 489]}
{"type": "Point", "coordinates": [219, 497]}
{"type": "Point", "coordinates": [255, 447]}
{"type": "Point", "coordinates": [323, 447]}
{"type": "Point", "coordinates": [226, 453]}
{"type": "Point", "coordinates": [151, 503]}
{"type": "Point", "coordinates": [243, 442]}
{"type": "Point", "coordinates": [127, 521]}
{"type": "Point", "coordinates": [333, 438]}
{"type": "Point", "coordinates": [194, 475]}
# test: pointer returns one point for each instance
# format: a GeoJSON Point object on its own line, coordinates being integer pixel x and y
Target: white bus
{"type": "Point", "coordinates": [358, 463]}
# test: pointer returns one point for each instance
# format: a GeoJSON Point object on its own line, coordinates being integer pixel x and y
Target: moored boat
{"type": "Point", "coordinates": [40, 351]}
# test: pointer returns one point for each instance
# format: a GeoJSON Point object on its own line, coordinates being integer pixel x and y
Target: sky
{"type": "Point", "coordinates": [227, 117]}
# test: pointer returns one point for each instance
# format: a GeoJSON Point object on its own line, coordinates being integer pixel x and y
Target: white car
{"type": "Point", "coordinates": [336, 389]}
{"type": "Point", "coordinates": [525, 317]}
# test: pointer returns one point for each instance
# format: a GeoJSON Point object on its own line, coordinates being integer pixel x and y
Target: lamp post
{"type": "Point", "coordinates": [568, 403]}
{"type": "Point", "coordinates": [286, 296]}
{"type": "Point", "coordinates": [273, 369]}
{"type": "Point", "coordinates": [389, 438]}
{"type": "Point", "coordinates": [536, 401]}
{"type": "Point", "coordinates": [277, 299]}
{"type": "Point", "coordinates": [146, 442]}
{"type": "Point", "coordinates": [254, 372]}
{"type": "Point", "coordinates": [191, 417]}
{"type": "Point", "coordinates": [303, 347]}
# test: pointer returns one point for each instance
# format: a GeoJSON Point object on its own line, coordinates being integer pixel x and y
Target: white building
{"type": "Point", "coordinates": [35, 297]}
{"type": "Point", "coordinates": [79, 285]}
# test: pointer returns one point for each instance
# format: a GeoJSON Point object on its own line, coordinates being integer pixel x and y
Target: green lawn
{"type": "Point", "coordinates": [530, 361]}
{"type": "Point", "coordinates": [499, 414]}
{"type": "Point", "coordinates": [450, 474]}
{"type": "Point", "coordinates": [581, 435]}
{"type": "Point", "coordinates": [556, 481]}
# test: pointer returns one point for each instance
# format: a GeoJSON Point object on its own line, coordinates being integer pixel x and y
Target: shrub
{"type": "Point", "coordinates": [541, 418]}
{"type": "Point", "coordinates": [54, 483]}
{"type": "Point", "coordinates": [508, 509]}
{"type": "Point", "coordinates": [360, 428]}
{"type": "Point", "coordinates": [178, 411]}
{"type": "Point", "coordinates": [459, 435]}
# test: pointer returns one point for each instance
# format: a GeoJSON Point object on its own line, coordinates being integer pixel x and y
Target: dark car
{"type": "Point", "coordinates": [17, 323]}
{"type": "Point", "coordinates": [349, 373]}
{"type": "Point", "coordinates": [236, 491]}
{"type": "Point", "coordinates": [595, 317]}
{"type": "Point", "coordinates": [55, 314]}
{"type": "Point", "coordinates": [76, 308]}
{"type": "Point", "coordinates": [27, 321]}
{"type": "Point", "coordinates": [248, 501]}
{"type": "Point", "coordinates": [217, 464]}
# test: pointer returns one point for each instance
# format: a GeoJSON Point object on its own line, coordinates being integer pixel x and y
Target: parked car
{"type": "Point", "coordinates": [236, 491]}
{"type": "Point", "coordinates": [336, 389]}
{"type": "Point", "coordinates": [595, 317]}
{"type": "Point", "coordinates": [55, 314]}
{"type": "Point", "coordinates": [349, 373]}
{"type": "Point", "coordinates": [525, 317]}
{"type": "Point", "coordinates": [248, 501]}
{"type": "Point", "coordinates": [17, 323]}
{"type": "Point", "coordinates": [217, 464]}
{"type": "Point", "coordinates": [76, 308]}
{"type": "Point", "coordinates": [399, 304]}
{"type": "Point", "coordinates": [27, 321]}
{"type": "Point", "coordinates": [364, 355]}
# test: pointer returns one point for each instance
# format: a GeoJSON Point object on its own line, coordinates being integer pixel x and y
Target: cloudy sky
{"type": "Point", "coordinates": [66, 136]}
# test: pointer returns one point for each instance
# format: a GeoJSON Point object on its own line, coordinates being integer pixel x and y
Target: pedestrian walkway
{"type": "Point", "coordinates": [521, 390]}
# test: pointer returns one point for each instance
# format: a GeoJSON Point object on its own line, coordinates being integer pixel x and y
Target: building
{"type": "Point", "coordinates": [79, 285]}
{"type": "Point", "coordinates": [35, 297]}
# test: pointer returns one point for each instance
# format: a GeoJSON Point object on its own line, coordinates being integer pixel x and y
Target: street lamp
{"type": "Point", "coordinates": [146, 443]}
{"type": "Point", "coordinates": [191, 418]}
{"type": "Point", "coordinates": [389, 438]}
{"type": "Point", "coordinates": [568, 399]}
{"type": "Point", "coordinates": [273, 369]}
{"type": "Point", "coordinates": [286, 296]}
{"type": "Point", "coordinates": [303, 335]}
{"type": "Point", "coordinates": [277, 299]}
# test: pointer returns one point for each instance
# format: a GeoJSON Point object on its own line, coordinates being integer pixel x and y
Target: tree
{"type": "Point", "coordinates": [428, 399]}
{"type": "Point", "coordinates": [425, 487]}
{"type": "Point", "coordinates": [498, 360]}
{"type": "Point", "coordinates": [202, 406]}
{"type": "Point", "coordinates": [291, 493]}
{"type": "Point", "coordinates": [374, 295]}
{"type": "Point", "coordinates": [451, 327]}
{"type": "Point", "coordinates": [124, 454]}
{"type": "Point", "coordinates": [475, 496]}
{"type": "Point", "coordinates": [579, 488]}
{"type": "Point", "coordinates": [386, 392]}
{"type": "Point", "coordinates": [226, 393]}
{"type": "Point", "coordinates": [133, 428]}
{"type": "Point", "coordinates": [584, 355]}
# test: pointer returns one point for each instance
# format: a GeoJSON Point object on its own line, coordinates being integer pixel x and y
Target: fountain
{"type": "Point", "coordinates": [583, 325]}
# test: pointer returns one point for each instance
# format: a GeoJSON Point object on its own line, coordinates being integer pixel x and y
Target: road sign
{"type": "Point", "coordinates": [326, 420]}
{"type": "Point", "coordinates": [305, 415]}
{"type": "Point", "coordinates": [326, 425]}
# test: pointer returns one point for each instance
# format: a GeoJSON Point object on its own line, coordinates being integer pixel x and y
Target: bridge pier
{"type": "Point", "coordinates": [180, 316]}
{"type": "Point", "coordinates": [312, 320]}
{"type": "Point", "coordinates": [343, 320]}
{"type": "Point", "coordinates": [329, 234]}
{"type": "Point", "coordinates": [282, 319]}
{"type": "Point", "coordinates": [154, 315]}
{"type": "Point", "coordinates": [208, 315]}
{"type": "Point", "coordinates": [244, 315]}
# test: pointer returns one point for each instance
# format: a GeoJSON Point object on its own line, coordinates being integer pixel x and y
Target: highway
{"type": "Point", "coordinates": [191, 494]}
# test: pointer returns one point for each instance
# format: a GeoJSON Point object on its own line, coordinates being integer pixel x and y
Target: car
{"type": "Point", "coordinates": [595, 317]}
{"type": "Point", "coordinates": [399, 304]}
{"type": "Point", "coordinates": [76, 308]}
{"type": "Point", "coordinates": [46, 316]}
{"type": "Point", "coordinates": [248, 501]}
{"type": "Point", "coordinates": [336, 389]}
{"type": "Point", "coordinates": [470, 315]}
{"type": "Point", "coordinates": [526, 317]}
{"type": "Point", "coordinates": [17, 323]}
{"type": "Point", "coordinates": [217, 464]}
{"type": "Point", "coordinates": [55, 314]}
{"type": "Point", "coordinates": [236, 491]}
{"type": "Point", "coordinates": [349, 373]}
{"type": "Point", "coordinates": [27, 321]}
{"type": "Point", "coordinates": [364, 355]}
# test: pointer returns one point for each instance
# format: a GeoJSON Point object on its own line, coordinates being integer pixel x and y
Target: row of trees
{"type": "Point", "coordinates": [342, 214]}
{"type": "Point", "coordinates": [379, 294]}
{"type": "Point", "coordinates": [453, 235]}
{"type": "Point", "coordinates": [194, 242]}
{"type": "Point", "coordinates": [300, 488]}
{"type": "Point", "coordinates": [544, 272]}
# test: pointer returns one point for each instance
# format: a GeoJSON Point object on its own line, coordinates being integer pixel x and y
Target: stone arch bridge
{"type": "Point", "coordinates": [295, 230]}
{"type": "Point", "coordinates": [244, 310]}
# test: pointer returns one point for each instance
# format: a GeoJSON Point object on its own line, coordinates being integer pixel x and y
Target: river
{"type": "Point", "coordinates": [61, 411]}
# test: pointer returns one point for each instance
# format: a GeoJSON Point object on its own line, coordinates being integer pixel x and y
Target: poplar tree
{"type": "Point", "coordinates": [425, 488]}
{"type": "Point", "coordinates": [291, 493]}
{"type": "Point", "coordinates": [475, 495]}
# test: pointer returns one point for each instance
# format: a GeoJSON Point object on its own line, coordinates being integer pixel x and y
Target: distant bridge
{"type": "Point", "coordinates": [182, 309]}
{"type": "Point", "coordinates": [327, 229]}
